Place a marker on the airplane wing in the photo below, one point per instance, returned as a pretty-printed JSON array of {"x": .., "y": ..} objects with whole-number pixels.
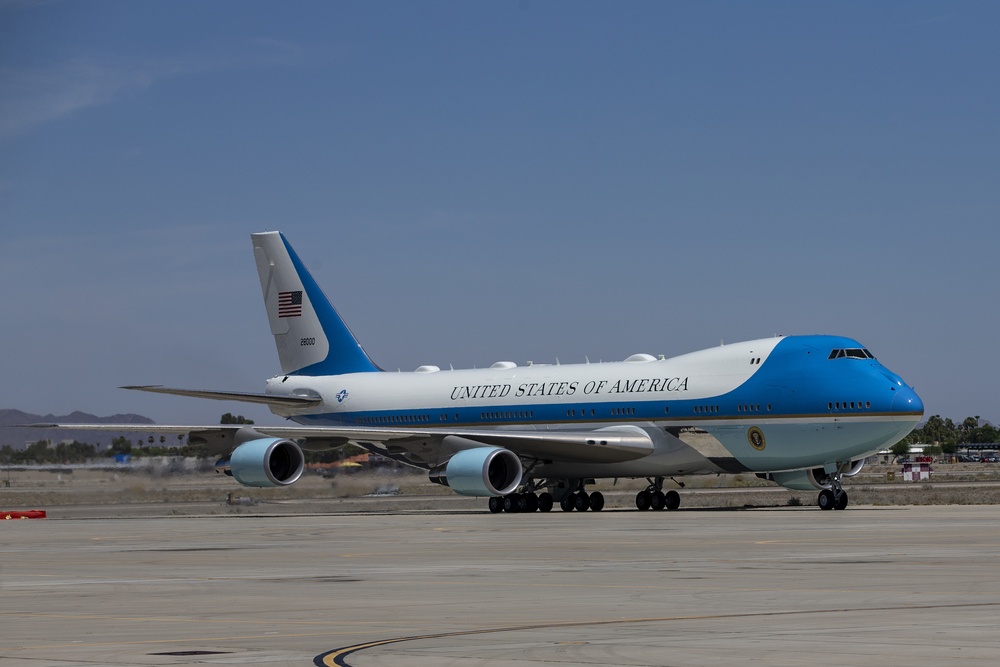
[
  {"x": 428, "y": 447},
  {"x": 219, "y": 439},
  {"x": 422, "y": 447}
]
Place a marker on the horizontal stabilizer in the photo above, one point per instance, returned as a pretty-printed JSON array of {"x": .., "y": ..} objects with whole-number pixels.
[{"x": 245, "y": 397}]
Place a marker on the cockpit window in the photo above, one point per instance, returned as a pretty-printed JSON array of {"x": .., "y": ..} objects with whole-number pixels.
[{"x": 851, "y": 353}]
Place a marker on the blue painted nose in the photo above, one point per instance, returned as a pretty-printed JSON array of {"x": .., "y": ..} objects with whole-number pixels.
[{"x": 907, "y": 406}]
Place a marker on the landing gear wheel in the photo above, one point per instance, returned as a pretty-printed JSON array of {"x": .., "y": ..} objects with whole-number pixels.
[
  {"x": 568, "y": 503},
  {"x": 826, "y": 500},
  {"x": 673, "y": 500},
  {"x": 496, "y": 504},
  {"x": 841, "y": 503},
  {"x": 596, "y": 501},
  {"x": 511, "y": 504},
  {"x": 545, "y": 502},
  {"x": 657, "y": 501},
  {"x": 642, "y": 500},
  {"x": 581, "y": 501},
  {"x": 530, "y": 502}
]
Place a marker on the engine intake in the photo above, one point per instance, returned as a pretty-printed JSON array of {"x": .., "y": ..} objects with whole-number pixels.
[
  {"x": 264, "y": 462},
  {"x": 482, "y": 471}
]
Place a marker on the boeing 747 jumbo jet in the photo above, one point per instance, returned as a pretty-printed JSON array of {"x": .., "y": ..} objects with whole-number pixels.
[{"x": 802, "y": 411}]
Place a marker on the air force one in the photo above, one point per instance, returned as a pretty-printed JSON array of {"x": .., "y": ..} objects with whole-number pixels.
[{"x": 801, "y": 411}]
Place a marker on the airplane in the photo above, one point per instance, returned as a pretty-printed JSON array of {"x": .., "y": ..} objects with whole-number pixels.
[{"x": 801, "y": 411}]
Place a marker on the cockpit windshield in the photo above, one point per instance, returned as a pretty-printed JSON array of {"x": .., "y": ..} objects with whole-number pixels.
[{"x": 851, "y": 353}]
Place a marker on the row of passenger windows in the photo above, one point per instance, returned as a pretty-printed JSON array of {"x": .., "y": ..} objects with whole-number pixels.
[
  {"x": 517, "y": 414},
  {"x": 396, "y": 419},
  {"x": 529, "y": 414},
  {"x": 615, "y": 412},
  {"x": 853, "y": 405},
  {"x": 582, "y": 412}
]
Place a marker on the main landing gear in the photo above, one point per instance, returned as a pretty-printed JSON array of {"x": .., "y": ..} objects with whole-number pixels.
[
  {"x": 653, "y": 497},
  {"x": 521, "y": 502},
  {"x": 581, "y": 501},
  {"x": 530, "y": 501}
]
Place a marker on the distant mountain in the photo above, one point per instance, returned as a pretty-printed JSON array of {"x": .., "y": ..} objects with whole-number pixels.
[{"x": 17, "y": 438}]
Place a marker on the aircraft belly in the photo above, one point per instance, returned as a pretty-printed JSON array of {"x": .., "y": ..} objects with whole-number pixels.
[
  {"x": 806, "y": 444},
  {"x": 671, "y": 456}
]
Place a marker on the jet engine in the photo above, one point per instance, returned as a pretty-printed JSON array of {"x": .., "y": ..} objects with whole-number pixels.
[
  {"x": 482, "y": 471},
  {"x": 264, "y": 462},
  {"x": 807, "y": 480}
]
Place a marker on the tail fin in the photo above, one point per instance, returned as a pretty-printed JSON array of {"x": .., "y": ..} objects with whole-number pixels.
[{"x": 311, "y": 337}]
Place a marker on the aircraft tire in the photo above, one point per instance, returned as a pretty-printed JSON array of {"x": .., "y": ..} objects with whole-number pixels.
[
  {"x": 673, "y": 500},
  {"x": 510, "y": 503},
  {"x": 642, "y": 500},
  {"x": 522, "y": 502},
  {"x": 581, "y": 501},
  {"x": 545, "y": 502},
  {"x": 842, "y": 501},
  {"x": 530, "y": 502},
  {"x": 567, "y": 504},
  {"x": 825, "y": 500},
  {"x": 596, "y": 501},
  {"x": 496, "y": 504},
  {"x": 657, "y": 501}
]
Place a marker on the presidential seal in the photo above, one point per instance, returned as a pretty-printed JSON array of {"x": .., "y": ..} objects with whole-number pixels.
[{"x": 756, "y": 438}]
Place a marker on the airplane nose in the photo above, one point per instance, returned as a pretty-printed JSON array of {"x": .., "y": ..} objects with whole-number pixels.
[{"x": 906, "y": 404}]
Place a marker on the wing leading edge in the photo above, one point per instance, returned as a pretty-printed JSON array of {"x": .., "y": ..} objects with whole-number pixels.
[{"x": 424, "y": 447}]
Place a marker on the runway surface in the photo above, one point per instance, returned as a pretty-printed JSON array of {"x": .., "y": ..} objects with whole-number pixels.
[{"x": 779, "y": 586}]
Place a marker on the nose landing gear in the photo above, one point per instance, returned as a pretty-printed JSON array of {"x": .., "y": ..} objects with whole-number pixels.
[{"x": 834, "y": 498}]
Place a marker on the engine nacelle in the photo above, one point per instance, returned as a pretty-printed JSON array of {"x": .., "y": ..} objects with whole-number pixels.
[
  {"x": 482, "y": 471},
  {"x": 807, "y": 480},
  {"x": 264, "y": 462},
  {"x": 856, "y": 467}
]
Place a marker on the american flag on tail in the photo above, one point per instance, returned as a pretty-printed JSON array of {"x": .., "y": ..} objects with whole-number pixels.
[{"x": 290, "y": 304}]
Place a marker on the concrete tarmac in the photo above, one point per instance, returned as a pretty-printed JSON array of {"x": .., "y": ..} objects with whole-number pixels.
[{"x": 907, "y": 586}]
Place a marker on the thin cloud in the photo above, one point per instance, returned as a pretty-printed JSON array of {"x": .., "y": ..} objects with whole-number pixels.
[
  {"x": 33, "y": 96},
  {"x": 30, "y": 97}
]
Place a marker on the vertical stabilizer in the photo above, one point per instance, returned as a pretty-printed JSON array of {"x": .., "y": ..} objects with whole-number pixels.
[{"x": 311, "y": 337}]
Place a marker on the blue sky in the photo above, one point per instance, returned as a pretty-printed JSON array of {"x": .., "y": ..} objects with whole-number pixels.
[{"x": 474, "y": 181}]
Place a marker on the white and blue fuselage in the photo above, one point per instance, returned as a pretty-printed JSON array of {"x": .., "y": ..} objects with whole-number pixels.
[{"x": 767, "y": 405}]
